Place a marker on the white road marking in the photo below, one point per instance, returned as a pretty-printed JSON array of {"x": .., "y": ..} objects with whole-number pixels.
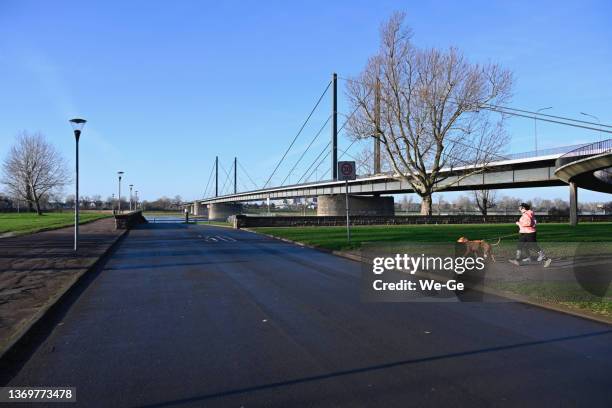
[{"x": 218, "y": 238}]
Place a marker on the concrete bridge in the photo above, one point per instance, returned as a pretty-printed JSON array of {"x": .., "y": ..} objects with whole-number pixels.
[
  {"x": 589, "y": 167},
  {"x": 532, "y": 169}
]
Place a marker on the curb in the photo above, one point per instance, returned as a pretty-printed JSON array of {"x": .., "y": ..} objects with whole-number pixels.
[
  {"x": 55, "y": 299},
  {"x": 217, "y": 225},
  {"x": 514, "y": 297}
]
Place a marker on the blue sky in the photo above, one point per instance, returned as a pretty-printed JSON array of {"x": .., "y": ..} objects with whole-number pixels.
[{"x": 167, "y": 86}]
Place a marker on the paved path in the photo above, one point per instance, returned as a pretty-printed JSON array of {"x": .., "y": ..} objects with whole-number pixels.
[
  {"x": 205, "y": 316},
  {"x": 37, "y": 267}
]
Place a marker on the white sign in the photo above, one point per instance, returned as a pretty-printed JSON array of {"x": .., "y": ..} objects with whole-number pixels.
[{"x": 347, "y": 170}]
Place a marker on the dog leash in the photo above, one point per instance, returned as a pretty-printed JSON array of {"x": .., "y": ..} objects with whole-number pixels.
[
  {"x": 503, "y": 236},
  {"x": 506, "y": 236}
]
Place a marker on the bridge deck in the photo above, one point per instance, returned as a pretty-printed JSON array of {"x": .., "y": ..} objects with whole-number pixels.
[{"x": 526, "y": 172}]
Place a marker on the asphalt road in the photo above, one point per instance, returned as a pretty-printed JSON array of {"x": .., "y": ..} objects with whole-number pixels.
[{"x": 206, "y": 316}]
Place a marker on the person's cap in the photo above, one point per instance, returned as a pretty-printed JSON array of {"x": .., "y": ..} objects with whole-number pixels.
[{"x": 525, "y": 206}]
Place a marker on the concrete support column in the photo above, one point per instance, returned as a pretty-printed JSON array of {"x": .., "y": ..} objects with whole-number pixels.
[
  {"x": 335, "y": 205},
  {"x": 220, "y": 211},
  {"x": 196, "y": 208},
  {"x": 573, "y": 205}
]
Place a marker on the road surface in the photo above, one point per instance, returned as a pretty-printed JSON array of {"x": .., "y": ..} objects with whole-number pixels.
[{"x": 197, "y": 315}]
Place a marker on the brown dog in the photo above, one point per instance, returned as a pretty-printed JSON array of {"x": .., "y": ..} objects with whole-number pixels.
[{"x": 478, "y": 247}]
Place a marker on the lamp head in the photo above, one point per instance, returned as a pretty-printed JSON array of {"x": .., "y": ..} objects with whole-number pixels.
[{"x": 77, "y": 124}]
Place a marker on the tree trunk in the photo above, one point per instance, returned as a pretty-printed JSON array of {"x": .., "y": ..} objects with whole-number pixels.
[
  {"x": 37, "y": 203},
  {"x": 426, "y": 204},
  {"x": 29, "y": 199}
]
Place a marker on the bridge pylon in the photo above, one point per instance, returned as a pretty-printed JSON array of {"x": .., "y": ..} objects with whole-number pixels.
[{"x": 334, "y": 126}]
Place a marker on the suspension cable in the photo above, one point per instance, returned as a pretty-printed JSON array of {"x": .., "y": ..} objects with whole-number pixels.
[
  {"x": 209, "y": 179},
  {"x": 247, "y": 174},
  {"x": 298, "y": 133},
  {"x": 307, "y": 148}
]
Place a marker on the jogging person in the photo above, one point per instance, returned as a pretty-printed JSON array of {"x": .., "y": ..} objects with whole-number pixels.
[{"x": 527, "y": 238}]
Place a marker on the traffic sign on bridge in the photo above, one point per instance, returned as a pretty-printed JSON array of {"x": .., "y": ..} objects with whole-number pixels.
[{"x": 347, "y": 170}]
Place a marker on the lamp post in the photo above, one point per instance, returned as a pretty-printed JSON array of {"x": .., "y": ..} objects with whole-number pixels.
[
  {"x": 136, "y": 201},
  {"x": 598, "y": 121},
  {"x": 77, "y": 126},
  {"x": 535, "y": 127},
  {"x": 119, "y": 173},
  {"x": 113, "y": 203},
  {"x": 131, "y": 185}
]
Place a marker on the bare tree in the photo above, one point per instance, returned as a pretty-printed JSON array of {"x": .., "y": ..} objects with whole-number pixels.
[
  {"x": 365, "y": 161},
  {"x": 509, "y": 203},
  {"x": 34, "y": 170},
  {"x": 406, "y": 204},
  {"x": 463, "y": 204},
  {"x": 430, "y": 110},
  {"x": 485, "y": 199},
  {"x": 440, "y": 203}
]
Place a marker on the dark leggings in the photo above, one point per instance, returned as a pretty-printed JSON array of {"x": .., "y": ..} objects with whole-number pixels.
[{"x": 527, "y": 242}]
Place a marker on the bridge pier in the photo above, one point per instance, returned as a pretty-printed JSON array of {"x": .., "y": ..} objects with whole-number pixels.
[
  {"x": 220, "y": 211},
  {"x": 199, "y": 209},
  {"x": 573, "y": 204},
  {"x": 335, "y": 205}
]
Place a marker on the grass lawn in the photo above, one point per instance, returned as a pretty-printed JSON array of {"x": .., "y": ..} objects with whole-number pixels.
[
  {"x": 335, "y": 237},
  {"x": 569, "y": 294},
  {"x": 559, "y": 240},
  {"x": 24, "y": 223}
]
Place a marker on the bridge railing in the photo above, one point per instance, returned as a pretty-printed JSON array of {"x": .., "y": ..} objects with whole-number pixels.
[
  {"x": 583, "y": 151},
  {"x": 544, "y": 152}
]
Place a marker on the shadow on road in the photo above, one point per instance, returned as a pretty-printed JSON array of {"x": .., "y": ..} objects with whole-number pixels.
[{"x": 334, "y": 374}]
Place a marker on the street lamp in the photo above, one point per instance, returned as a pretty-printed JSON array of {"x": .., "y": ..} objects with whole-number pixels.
[
  {"x": 535, "y": 127},
  {"x": 131, "y": 185},
  {"x": 113, "y": 203},
  {"x": 598, "y": 121},
  {"x": 119, "y": 173},
  {"x": 77, "y": 126}
]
